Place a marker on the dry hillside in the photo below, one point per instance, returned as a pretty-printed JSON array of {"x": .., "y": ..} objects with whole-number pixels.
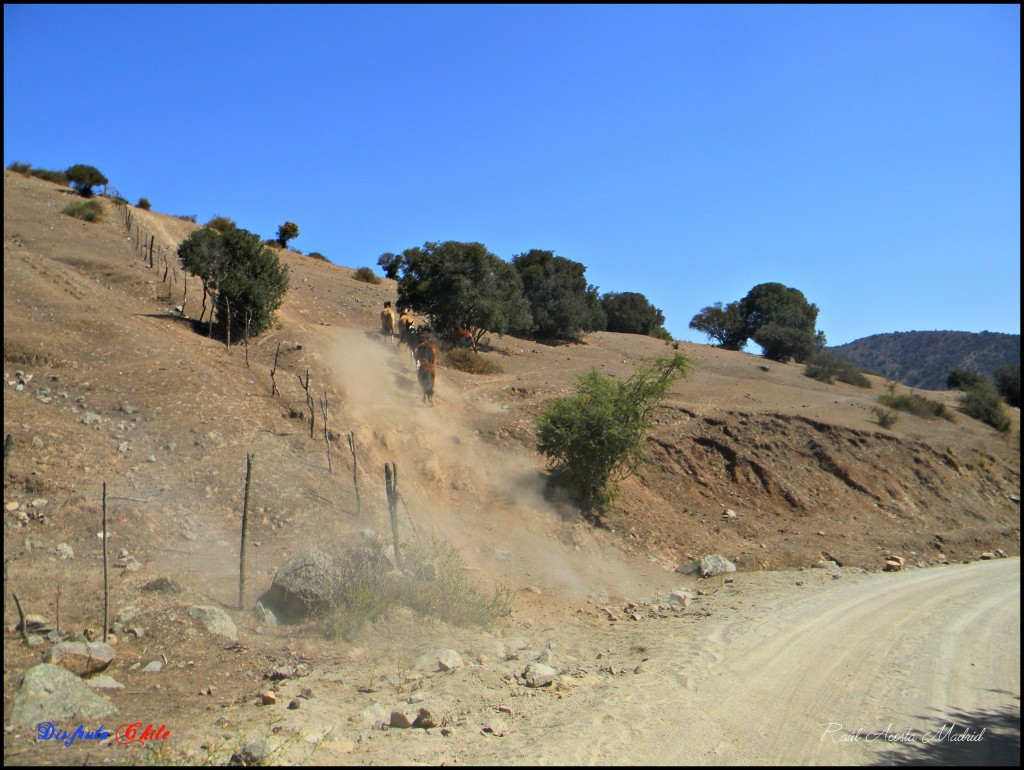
[{"x": 105, "y": 382}]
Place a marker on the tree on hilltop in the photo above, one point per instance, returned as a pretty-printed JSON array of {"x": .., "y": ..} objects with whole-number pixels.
[{"x": 83, "y": 178}]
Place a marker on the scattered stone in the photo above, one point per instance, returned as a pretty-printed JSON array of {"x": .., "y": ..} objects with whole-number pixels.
[
  {"x": 399, "y": 719},
  {"x": 424, "y": 719},
  {"x": 264, "y": 616},
  {"x": 215, "y": 620},
  {"x": 715, "y": 564},
  {"x": 153, "y": 667},
  {"x": 64, "y": 551},
  {"x": 988, "y": 555},
  {"x": 826, "y": 564},
  {"x": 894, "y": 563},
  {"x": 81, "y": 658},
  {"x": 51, "y": 693},
  {"x": 104, "y": 682},
  {"x": 293, "y": 703},
  {"x": 91, "y": 418},
  {"x": 439, "y": 660},
  {"x": 372, "y": 716},
  {"x": 539, "y": 675},
  {"x": 268, "y": 698},
  {"x": 252, "y": 753},
  {"x": 728, "y": 514}
]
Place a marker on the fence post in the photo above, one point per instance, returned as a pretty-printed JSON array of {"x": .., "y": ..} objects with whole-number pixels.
[
  {"x": 391, "y": 487},
  {"x": 245, "y": 526}
]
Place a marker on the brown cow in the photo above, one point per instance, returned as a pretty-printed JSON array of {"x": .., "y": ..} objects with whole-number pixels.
[
  {"x": 426, "y": 374},
  {"x": 426, "y": 352},
  {"x": 461, "y": 338},
  {"x": 387, "y": 322}
]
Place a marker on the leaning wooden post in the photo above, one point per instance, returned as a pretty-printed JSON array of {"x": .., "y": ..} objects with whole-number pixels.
[
  {"x": 273, "y": 381},
  {"x": 327, "y": 433},
  {"x": 391, "y": 487},
  {"x": 106, "y": 584},
  {"x": 245, "y": 526},
  {"x": 151, "y": 239},
  {"x": 7, "y": 453},
  {"x": 355, "y": 480}
]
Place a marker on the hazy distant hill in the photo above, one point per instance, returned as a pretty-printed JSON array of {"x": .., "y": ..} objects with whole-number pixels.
[{"x": 925, "y": 359}]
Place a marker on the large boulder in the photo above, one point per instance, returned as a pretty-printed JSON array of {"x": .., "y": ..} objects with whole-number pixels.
[
  {"x": 50, "y": 693},
  {"x": 308, "y": 581},
  {"x": 715, "y": 564},
  {"x": 81, "y": 658}
]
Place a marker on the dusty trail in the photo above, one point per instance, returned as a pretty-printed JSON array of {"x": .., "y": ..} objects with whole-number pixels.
[{"x": 788, "y": 674}]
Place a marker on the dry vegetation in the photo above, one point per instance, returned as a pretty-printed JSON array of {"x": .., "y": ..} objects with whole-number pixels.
[{"x": 803, "y": 465}]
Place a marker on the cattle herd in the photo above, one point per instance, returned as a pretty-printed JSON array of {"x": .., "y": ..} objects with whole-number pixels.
[{"x": 403, "y": 332}]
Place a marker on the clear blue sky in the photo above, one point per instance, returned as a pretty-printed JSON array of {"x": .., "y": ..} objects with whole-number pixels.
[{"x": 866, "y": 155}]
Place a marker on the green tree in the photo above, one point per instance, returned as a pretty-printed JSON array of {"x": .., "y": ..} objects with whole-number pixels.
[
  {"x": 144, "y": 204},
  {"x": 595, "y": 438},
  {"x": 463, "y": 285},
  {"x": 221, "y": 224},
  {"x": 562, "y": 303},
  {"x": 630, "y": 313},
  {"x": 1008, "y": 383},
  {"x": 287, "y": 232},
  {"x": 961, "y": 379},
  {"x": 390, "y": 264},
  {"x": 721, "y": 323},
  {"x": 83, "y": 178},
  {"x": 244, "y": 278}
]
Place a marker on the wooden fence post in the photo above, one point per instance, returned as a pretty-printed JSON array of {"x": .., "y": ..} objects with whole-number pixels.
[
  {"x": 245, "y": 526},
  {"x": 391, "y": 487},
  {"x": 355, "y": 478},
  {"x": 106, "y": 584}
]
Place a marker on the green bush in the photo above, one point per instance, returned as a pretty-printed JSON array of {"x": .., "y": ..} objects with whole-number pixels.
[
  {"x": 916, "y": 405},
  {"x": 144, "y": 204},
  {"x": 982, "y": 402},
  {"x": 432, "y": 583},
  {"x": 318, "y": 255},
  {"x": 221, "y": 224},
  {"x": 187, "y": 217},
  {"x": 886, "y": 417},
  {"x": 959, "y": 379},
  {"x": 827, "y": 367},
  {"x": 57, "y": 177},
  {"x": 1008, "y": 383},
  {"x": 286, "y": 232},
  {"x": 366, "y": 275},
  {"x": 19, "y": 168},
  {"x": 596, "y": 437},
  {"x": 90, "y": 211}
]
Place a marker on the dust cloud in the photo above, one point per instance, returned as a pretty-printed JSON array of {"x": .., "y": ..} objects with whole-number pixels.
[{"x": 487, "y": 500}]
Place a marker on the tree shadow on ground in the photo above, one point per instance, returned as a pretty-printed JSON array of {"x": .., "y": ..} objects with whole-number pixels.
[{"x": 984, "y": 737}]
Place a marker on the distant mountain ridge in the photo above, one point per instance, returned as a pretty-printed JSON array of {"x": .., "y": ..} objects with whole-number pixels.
[{"x": 925, "y": 359}]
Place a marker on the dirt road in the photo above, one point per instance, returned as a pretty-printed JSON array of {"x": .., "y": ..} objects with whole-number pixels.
[{"x": 861, "y": 669}]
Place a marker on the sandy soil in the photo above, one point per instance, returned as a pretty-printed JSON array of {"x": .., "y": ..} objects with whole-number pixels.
[{"x": 754, "y": 671}]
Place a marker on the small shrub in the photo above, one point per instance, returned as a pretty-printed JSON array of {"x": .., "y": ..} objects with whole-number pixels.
[
  {"x": 961, "y": 379},
  {"x": 827, "y": 367},
  {"x": 90, "y": 211},
  {"x": 982, "y": 402},
  {"x": 886, "y": 417},
  {"x": 432, "y": 582},
  {"x": 118, "y": 200},
  {"x": 19, "y": 168},
  {"x": 187, "y": 217},
  {"x": 57, "y": 177},
  {"x": 221, "y": 224},
  {"x": 916, "y": 405},
  {"x": 366, "y": 275},
  {"x": 144, "y": 204},
  {"x": 470, "y": 362},
  {"x": 317, "y": 255}
]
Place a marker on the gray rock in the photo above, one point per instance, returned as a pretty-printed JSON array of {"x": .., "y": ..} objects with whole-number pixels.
[
  {"x": 153, "y": 667},
  {"x": 399, "y": 719},
  {"x": 307, "y": 582},
  {"x": 104, "y": 682},
  {"x": 715, "y": 564},
  {"x": 50, "y": 693},
  {"x": 264, "y": 616},
  {"x": 81, "y": 658},
  {"x": 216, "y": 621},
  {"x": 373, "y": 716},
  {"x": 252, "y": 753},
  {"x": 539, "y": 675},
  {"x": 91, "y": 418},
  {"x": 680, "y": 597},
  {"x": 440, "y": 660}
]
